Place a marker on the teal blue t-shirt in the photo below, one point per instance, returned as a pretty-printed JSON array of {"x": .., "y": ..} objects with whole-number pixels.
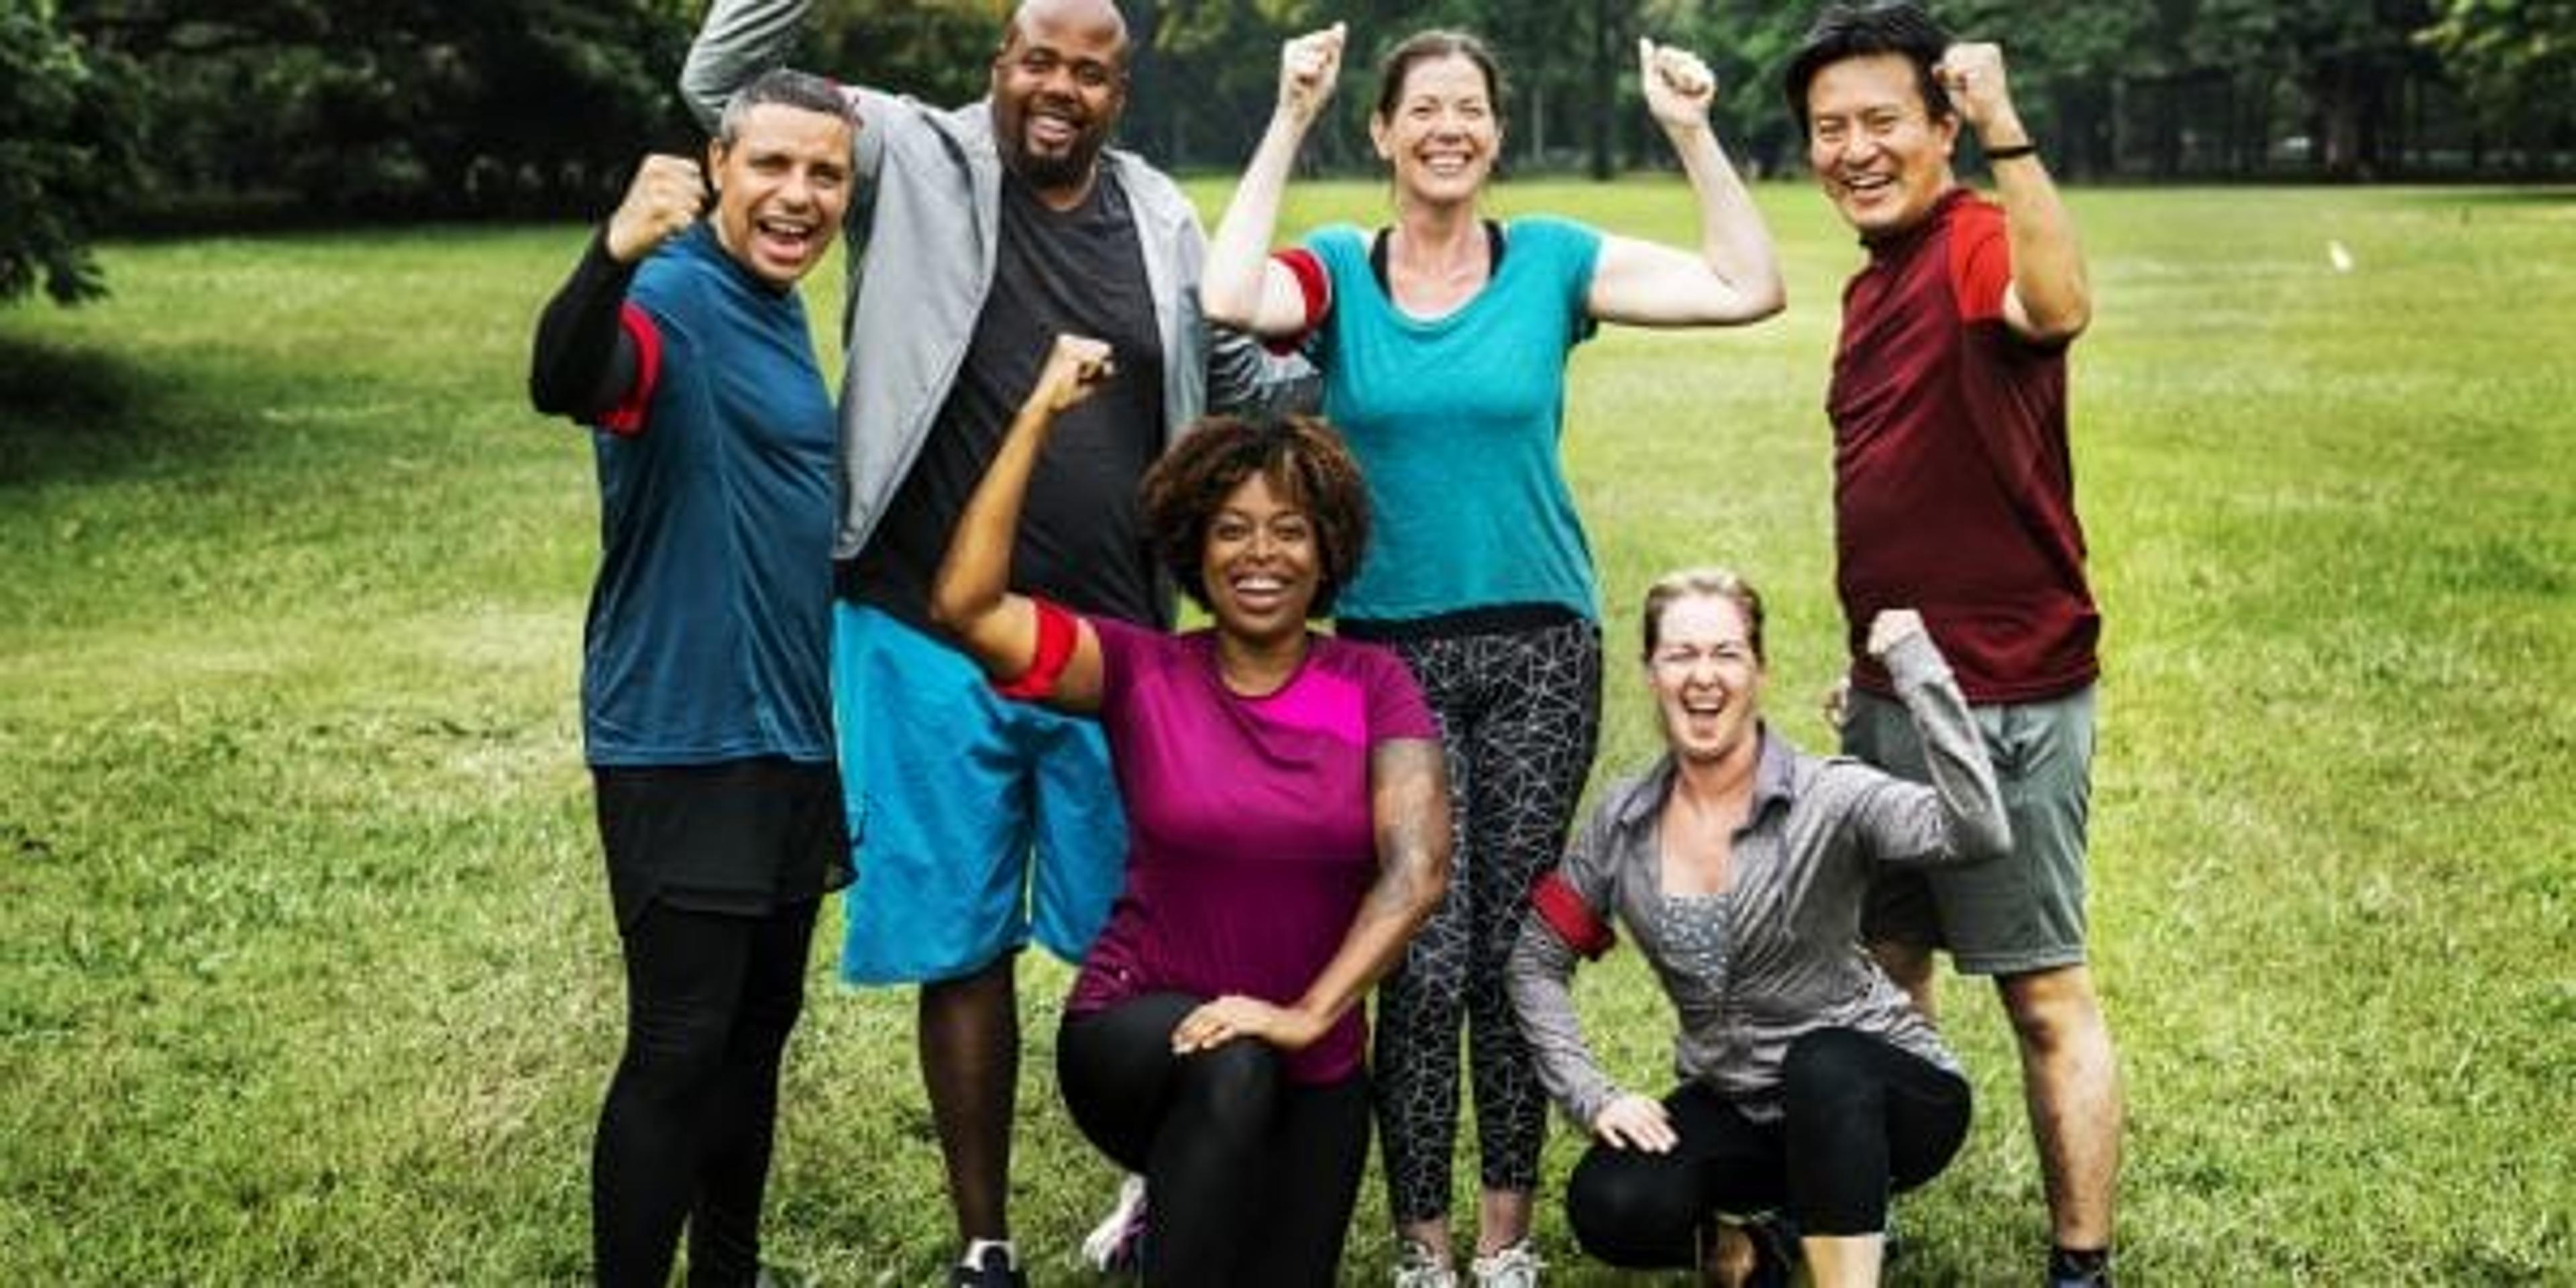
[
  {"x": 1455, "y": 421},
  {"x": 711, "y": 620}
]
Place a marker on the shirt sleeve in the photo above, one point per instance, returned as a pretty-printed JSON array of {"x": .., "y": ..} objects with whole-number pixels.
[
  {"x": 1539, "y": 975},
  {"x": 1960, "y": 817},
  {"x": 1121, "y": 643},
  {"x": 597, "y": 355},
  {"x": 1572, "y": 252},
  {"x": 1396, "y": 708},
  {"x": 1980, "y": 261}
]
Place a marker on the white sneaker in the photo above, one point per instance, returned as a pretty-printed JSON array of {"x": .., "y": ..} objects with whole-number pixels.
[
  {"x": 1117, "y": 1244},
  {"x": 1512, "y": 1267},
  {"x": 1419, "y": 1265}
]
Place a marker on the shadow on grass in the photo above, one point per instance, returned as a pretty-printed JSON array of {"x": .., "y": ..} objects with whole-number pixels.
[{"x": 70, "y": 414}]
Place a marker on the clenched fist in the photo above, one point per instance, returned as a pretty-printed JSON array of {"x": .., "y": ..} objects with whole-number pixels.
[
  {"x": 665, "y": 198},
  {"x": 1679, "y": 86}
]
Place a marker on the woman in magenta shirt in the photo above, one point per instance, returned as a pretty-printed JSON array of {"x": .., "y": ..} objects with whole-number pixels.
[{"x": 1288, "y": 831}]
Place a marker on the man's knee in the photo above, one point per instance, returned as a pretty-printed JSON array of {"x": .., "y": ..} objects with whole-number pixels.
[{"x": 2053, "y": 1010}]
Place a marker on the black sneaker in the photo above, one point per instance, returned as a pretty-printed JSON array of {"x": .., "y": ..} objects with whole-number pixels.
[
  {"x": 992, "y": 1271},
  {"x": 2079, "y": 1270}
]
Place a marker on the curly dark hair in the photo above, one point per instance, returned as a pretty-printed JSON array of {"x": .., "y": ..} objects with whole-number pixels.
[{"x": 1304, "y": 462}]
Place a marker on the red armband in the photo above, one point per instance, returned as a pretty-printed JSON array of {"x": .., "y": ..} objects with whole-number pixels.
[
  {"x": 626, "y": 419},
  {"x": 1056, "y": 637},
  {"x": 1316, "y": 289},
  {"x": 1570, "y": 917}
]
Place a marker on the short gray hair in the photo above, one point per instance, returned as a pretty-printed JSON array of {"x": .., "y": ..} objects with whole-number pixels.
[{"x": 784, "y": 87}]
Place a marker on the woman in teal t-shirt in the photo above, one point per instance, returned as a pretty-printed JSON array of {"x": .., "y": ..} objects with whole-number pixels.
[{"x": 1443, "y": 341}]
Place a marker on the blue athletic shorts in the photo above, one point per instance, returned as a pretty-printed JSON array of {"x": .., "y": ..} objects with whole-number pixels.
[{"x": 979, "y": 821}]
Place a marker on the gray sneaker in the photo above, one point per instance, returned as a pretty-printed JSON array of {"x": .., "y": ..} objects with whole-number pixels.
[
  {"x": 1419, "y": 1265},
  {"x": 1511, "y": 1267}
]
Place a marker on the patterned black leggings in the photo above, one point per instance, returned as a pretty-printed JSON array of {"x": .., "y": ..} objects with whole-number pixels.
[{"x": 1520, "y": 713}]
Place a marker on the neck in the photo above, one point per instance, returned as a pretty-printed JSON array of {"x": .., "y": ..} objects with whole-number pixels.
[
  {"x": 1257, "y": 668},
  {"x": 1439, "y": 235},
  {"x": 1728, "y": 778},
  {"x": 1066, "y": 196}
]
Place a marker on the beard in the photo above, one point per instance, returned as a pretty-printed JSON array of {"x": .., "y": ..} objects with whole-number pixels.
[{"x": 1060, "y": 170}]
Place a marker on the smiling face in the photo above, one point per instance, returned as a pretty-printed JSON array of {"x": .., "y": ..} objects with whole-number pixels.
[
  {"x": 1707, "y": 678},
  {"x": 1438, "y": 130},
  {"x": 1059, "y": 84},
  {"x": 782, "y": 184},
  {"x": 1260, "y": 563},
  {"x": 1881, "y": 155}
]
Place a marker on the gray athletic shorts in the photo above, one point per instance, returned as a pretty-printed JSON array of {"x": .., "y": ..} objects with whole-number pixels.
[{"x": 2013, "y": 915}]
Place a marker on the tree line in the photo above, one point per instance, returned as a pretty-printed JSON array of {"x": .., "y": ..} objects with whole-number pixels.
[{"x": 122, "y": 115}]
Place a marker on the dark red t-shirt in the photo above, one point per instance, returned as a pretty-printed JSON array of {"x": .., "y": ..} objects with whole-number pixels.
[{"x": 1953, "y": 490}]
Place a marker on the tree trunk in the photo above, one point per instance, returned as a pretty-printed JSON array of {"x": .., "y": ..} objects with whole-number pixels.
[{"x": 1605, "y": 92}]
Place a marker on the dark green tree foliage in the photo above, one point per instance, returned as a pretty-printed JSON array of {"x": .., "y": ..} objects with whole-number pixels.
[
  {"x": 68, "y": 122},
  {"x": 2516, "y": 61},
  {"x": 412, "y": 107}
]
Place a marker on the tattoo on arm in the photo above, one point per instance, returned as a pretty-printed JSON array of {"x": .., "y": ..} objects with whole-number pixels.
[{"x": 1410, "y": 786}]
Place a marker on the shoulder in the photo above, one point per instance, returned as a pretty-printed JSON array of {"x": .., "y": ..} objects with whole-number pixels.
[
  {"x": 1339, "y": 242},
  {"x": 1551, "y": 235},
  {"x": 1395, "y": 701},
  {"x": 1150, "y": 192},
  {"x": 681, "y": 277}
]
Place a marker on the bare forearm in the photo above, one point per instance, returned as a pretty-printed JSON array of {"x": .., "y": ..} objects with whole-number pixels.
[
  {"x": 975, "y": 577},
  {"x": 1733, "y": 241},
  {"x": 2047, "y": 263},
  {"x": 1409, "y": 795},
  {"x": 1232, "y": 289}
]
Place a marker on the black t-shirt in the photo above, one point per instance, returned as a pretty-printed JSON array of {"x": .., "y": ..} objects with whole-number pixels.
[{"x": 1080, "y": 271}]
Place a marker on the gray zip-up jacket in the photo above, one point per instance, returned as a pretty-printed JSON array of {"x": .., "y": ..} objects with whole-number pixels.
[
  {"x": 923, "y": 227},
  {"x": 1791, "y": 961}
]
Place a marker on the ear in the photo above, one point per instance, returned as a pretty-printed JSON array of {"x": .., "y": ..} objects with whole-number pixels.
[
  {"x": 1377, "y": 136},
  {"x": 715, "y": 160}
]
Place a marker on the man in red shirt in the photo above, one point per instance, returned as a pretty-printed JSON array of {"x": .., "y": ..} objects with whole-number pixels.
[{"x": 1953, "y": 492}]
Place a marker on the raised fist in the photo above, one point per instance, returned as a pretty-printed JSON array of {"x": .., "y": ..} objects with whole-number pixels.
[
  {"x": 661, "y": 203},
  {"x": 1679, "y": 87}
]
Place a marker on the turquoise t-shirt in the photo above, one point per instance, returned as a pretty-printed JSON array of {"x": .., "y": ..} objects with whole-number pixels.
[{"x": 1455, "y": 421}]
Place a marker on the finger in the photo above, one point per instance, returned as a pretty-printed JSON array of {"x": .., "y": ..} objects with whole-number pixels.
[{"x": 1645, "y": 57}]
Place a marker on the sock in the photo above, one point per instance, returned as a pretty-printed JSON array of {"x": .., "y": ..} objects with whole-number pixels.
[
  {"x": 974, "y": 1258},
  {"x": 2082, "y": 1264}
]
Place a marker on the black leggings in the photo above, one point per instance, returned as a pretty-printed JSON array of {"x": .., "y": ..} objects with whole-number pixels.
[
  {"x": 685, "y": 1134},
  {"x": 1251, "y": 1177},
  {"x": 1861, "y": 1119}
]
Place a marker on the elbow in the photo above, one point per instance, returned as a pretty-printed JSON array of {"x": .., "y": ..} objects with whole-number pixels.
[
  {"x": 1766, "y": 300},
  {"x": 952, "y": 610},
  {"x": 703, "y": 89},
  {"x": 1224, "y": 307},
  {"x": 1985, "y": 838}
]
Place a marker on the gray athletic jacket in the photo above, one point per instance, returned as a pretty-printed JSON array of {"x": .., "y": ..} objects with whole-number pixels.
[
  {"x": 1793, "y": 962},
  {"x": 922, "y": 229}
]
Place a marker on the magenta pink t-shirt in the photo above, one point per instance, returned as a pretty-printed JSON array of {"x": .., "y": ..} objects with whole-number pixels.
[{"x": 1250, "y": 842}]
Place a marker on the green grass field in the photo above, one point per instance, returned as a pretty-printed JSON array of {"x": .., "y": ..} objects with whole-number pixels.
[{"x": 306, "y": 968}]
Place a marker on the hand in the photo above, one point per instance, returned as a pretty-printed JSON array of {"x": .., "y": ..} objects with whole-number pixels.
[
  {"x": 1233, "y": 1016},
  {"x": 1308, "y": 67},
  {"x": 1679, "y": 87},
  {"x": 661, "y": 203},
  {"x": 1838, "y": 702},
  {"x": 1891, "y": 627},
  {"x": 1633, "y": 1122},
  {"x": 1076, "y": 367},
  {"x": 1973, "y": 76}
]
